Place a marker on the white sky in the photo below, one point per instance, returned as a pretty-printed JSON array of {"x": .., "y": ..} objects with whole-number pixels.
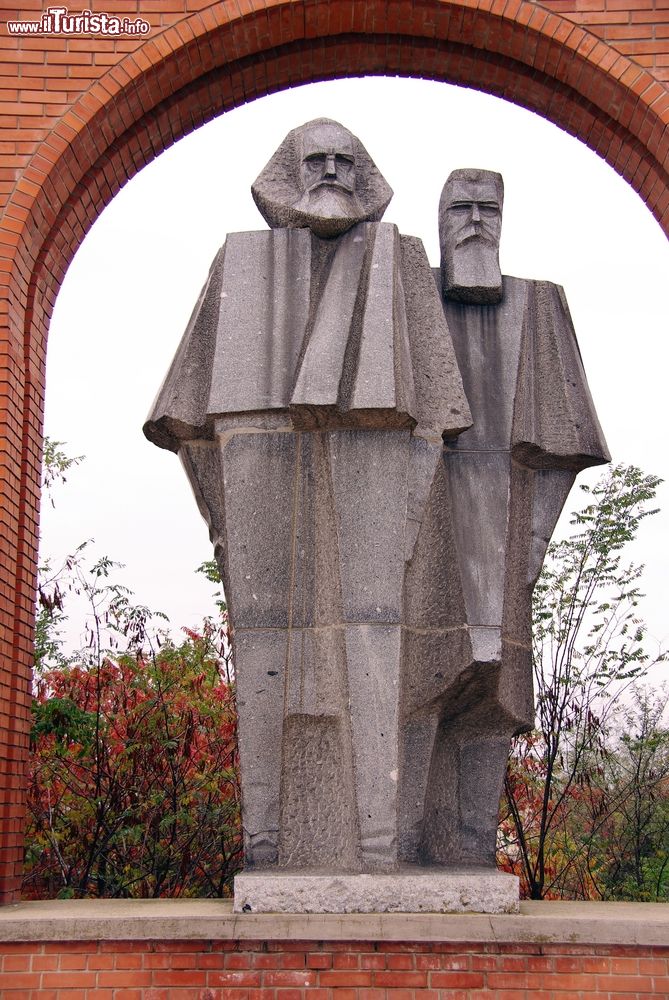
[{"x": 129, "y": 292}]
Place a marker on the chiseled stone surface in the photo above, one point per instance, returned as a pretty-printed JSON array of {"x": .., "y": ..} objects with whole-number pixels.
[
  {"x": 308, "y": 401},
  {"x": 381, "y": 453},
  {"x": 290, "y": 193},
  {"x": 470, "y": 223},
  {"x": 506, "y": 479},
  {"x": 407, "y": 891}
]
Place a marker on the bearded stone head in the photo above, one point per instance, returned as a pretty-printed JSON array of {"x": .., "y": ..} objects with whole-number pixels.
[
  {"x": 470, "y": 225},
  {"x": 323, "y": 178}
]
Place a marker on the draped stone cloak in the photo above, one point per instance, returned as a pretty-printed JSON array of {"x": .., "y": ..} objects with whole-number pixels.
[
  {"x": 335, "y": 333},
  {"x": 492, "y": 510},
  {"x": 307, "y": 401}
]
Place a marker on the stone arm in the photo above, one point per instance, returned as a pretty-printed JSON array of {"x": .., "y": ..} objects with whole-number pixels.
[
  {"x": 179, "y": 412},
  {"x": 554, "y": 421}
]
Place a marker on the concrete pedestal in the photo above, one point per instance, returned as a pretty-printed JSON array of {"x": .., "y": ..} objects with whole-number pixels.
[{"x": 416, "y": 890}]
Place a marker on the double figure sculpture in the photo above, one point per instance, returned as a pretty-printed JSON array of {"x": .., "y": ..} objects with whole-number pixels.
[{"x": 381, "y": 452}]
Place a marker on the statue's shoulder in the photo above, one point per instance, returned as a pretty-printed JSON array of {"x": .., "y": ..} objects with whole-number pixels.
[
  {"x": 262, "y": 237},
  {"x": 548, "y": 303},
  {"x": 412, "y": 246},
  {"x": 415, "y": 264},
  {"x": 539, "y": 287}
]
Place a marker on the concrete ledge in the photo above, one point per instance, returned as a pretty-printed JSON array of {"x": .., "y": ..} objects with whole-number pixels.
[{"x": 205, "y": 919}]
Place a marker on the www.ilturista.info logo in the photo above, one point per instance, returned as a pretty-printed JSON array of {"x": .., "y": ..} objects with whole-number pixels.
[{"x": 59, "y": 21}]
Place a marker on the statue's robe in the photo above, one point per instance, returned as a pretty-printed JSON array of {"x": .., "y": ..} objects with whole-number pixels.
[
  {"x": 493, "y": 508},
  {"x": 308, "y": 401}
]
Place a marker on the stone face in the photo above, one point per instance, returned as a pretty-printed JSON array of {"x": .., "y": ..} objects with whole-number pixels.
[
  {"x": 470, "y": 223},
  {"x": 380, "y": 471},
  {"x": 409, "y": 891},
  {"x": 290, "y": 191}
]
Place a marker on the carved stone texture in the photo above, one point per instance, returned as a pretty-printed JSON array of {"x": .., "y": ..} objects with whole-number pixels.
[
  {"x": 415, "y": 890},
  {"x": 308, "y": 401},
  {"x": 323, "y": 178},
  {"x": 379, "y": 582},
  {"x": 483, "y": 539},
  {"x": 317, "y": 333},
  {"x": 470, "y": 223}
]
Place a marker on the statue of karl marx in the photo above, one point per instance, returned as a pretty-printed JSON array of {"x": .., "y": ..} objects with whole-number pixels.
[{"x": 308, "y": 401}]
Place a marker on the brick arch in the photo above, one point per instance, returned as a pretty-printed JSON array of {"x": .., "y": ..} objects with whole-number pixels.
[{"x": 184, "y": 74}]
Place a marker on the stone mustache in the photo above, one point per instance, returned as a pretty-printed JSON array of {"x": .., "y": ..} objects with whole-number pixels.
[{"x": 381, "y": 458}]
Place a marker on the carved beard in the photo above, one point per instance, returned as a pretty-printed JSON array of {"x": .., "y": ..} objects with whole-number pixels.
[
  {"x": 330, "y": 201},
  {"x": 470, "y": 271}
]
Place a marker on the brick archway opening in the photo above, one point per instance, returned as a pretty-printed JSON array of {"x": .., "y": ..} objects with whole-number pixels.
[{"x": 184, "y": 76}]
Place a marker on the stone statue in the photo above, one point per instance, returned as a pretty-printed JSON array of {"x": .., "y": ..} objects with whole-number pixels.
[
  {"x": 490, "y": 516},
  {"x": 380, "y": 470},
  {"x": 470, "y": 225},
  {"x": 308, "y": 402}
]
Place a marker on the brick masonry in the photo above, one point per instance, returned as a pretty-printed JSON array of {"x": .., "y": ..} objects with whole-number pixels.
[
  {"x": 312, "y": 970},
  {"x": 79, "y": 115}
]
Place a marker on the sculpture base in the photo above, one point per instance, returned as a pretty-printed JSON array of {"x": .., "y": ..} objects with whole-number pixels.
[{"x": 410, "y": 890}]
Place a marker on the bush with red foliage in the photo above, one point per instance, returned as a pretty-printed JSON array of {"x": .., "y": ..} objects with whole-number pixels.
[{"x": 133, "y": 787}]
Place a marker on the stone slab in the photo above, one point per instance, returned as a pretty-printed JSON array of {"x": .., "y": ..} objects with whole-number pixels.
[
  {"x": 416, "y": 891},
  {"x": 538, "y": 922}
]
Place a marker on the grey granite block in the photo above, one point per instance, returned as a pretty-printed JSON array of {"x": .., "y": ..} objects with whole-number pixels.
[{"x": 408, "y": 891}]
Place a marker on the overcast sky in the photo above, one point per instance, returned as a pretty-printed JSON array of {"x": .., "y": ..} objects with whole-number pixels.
[{"x": 129, "y": 292}]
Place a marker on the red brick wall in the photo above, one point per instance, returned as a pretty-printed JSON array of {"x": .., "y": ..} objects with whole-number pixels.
[
  {"x": 80, "y": 115},
  {"x": 299, "y": 970},
  {"x": 636, "y": 28}
]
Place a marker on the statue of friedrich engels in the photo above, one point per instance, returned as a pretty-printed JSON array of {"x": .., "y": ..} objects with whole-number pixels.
[{"x": 316, "y": 401}]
